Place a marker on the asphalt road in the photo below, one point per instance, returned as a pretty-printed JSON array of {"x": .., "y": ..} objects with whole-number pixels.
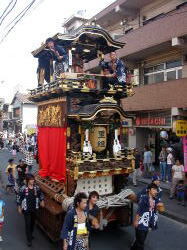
[{"x": 171, "y": 235}]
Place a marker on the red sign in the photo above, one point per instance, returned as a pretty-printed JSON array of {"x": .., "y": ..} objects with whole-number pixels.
[{"x": 150, "y": 121}]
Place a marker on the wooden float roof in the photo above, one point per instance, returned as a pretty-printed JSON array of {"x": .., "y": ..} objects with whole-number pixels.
[{"x": 86, "y": 42}]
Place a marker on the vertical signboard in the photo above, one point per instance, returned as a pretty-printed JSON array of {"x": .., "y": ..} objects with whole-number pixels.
[{"x": 185, "y": 152}]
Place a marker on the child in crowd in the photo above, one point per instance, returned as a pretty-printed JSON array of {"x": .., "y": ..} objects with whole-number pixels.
[
  {"x": 14, "y": 151},
  {"x": 2, "y": 205},
  {"x": 11, "y": 165},
  {"x": 11, "y": 181},
  {"x": 180, "y": 190}
]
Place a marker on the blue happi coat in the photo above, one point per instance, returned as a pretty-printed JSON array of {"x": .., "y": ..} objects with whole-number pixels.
[
  {"x": 148, "y": 218},
  {"x": 120, "y": 69},
  {"x": 69, "y": 229},
  {"x": 145, "y": 190}
]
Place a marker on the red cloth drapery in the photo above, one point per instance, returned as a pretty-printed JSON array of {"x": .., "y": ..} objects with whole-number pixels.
[{"x": 52, "y": 152}]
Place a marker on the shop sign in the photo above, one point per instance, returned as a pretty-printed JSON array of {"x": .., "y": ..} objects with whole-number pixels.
[
  {"x": 151, "y": 121},
  {"x": 31, "y": 129},
  {"x": 185, "y": 152},
  {"x": 127, "y": 123},
  {"x": 181, "y": 127}
]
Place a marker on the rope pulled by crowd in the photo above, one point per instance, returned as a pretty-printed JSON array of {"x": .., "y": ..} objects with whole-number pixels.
[{"x": 117, "y": 200}]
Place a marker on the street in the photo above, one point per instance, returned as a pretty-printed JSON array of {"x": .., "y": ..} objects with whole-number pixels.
[{"x": 171, "y": 235}]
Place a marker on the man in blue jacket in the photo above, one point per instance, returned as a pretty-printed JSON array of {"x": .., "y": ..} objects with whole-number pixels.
[
  {"x": 116, "y": 68},
  {"x": 156, "y": 181},
  {"x": 75, "y": 231},
  {"x": 147, "y": 216},
  {"x": 52, "y": 52}
]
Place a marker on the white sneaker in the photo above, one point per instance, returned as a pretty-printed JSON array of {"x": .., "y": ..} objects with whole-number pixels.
[{"x": 1, "y": 239}]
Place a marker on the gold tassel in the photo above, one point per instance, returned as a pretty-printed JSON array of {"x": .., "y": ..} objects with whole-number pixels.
[
  {"x": 68, "y": 131},
  {"x": 79, "y": 130},
  {"x": 107, "y": 129}
]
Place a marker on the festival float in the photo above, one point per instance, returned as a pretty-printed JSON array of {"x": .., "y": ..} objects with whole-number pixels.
[{"x": 79, "y": 134}]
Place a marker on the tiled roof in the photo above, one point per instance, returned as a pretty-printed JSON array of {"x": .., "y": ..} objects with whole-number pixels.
[{"x": 22, "y": 98}]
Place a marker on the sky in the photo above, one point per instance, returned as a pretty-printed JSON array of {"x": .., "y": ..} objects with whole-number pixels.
[{"x": 17, "y": 65}]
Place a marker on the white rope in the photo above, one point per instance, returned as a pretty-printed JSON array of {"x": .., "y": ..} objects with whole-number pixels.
[
  {"x": 117, "y": 200},
  {"x": 67, "y": 202}
]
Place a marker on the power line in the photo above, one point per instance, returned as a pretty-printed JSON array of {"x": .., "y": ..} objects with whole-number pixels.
[
  {"x": 23, "y": 14},
  {"x": 6, "y": 8},
  {"x": 17, "y": 16},
  {"x": 13, "y": 6}
]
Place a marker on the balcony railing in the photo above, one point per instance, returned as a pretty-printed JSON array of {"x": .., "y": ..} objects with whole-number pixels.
[{"x": 150, "y": 35}]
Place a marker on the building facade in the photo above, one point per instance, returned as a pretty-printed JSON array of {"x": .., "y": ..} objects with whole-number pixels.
[
  {"x": 74, "y": 22},
  {"x": 155, "y": 33},
  {"x": 24, "y": 113}
]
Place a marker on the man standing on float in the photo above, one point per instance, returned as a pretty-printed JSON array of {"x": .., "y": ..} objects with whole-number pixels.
[{"x": 52, "y": 52}]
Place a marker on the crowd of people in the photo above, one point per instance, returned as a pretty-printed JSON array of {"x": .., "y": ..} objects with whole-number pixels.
[
  {"x": 29, "y": 197},
  {"x": 20, "y": 180},
  {"x": 171, "y": 171},
  {"x": 82, "y": 216}
]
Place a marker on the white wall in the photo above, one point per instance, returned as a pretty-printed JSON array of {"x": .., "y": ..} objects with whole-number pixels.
[
  {"x": 29, "y": 115},
  {"x": 132, "y": 141}
]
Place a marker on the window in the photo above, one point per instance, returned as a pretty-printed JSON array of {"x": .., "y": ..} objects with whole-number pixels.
[
  {"x": 173, "y": 64},
  {"x": 148, "y": 79},
  {"x": 167, "y": 71},
  {"x": 171, "y": 75},
  {"x": 16, "y": 112},
  {"x": 179, "y": 73},
  {"x": 159, "y": 77}
]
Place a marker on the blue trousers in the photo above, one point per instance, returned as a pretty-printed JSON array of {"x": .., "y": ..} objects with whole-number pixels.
[
  {"x": 163, "y": 167},
  {"x": 169, "y": 172}
]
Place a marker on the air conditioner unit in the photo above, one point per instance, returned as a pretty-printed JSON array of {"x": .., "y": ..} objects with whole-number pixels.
[
  {"x": 117, "y": 8},
  {"x": 176, "y": 41}
]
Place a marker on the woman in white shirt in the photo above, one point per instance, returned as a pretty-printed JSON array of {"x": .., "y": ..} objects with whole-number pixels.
[
  {"x": 170, "y": 162},
  {"x": 177, "y": 175},
  {"x": 147, "y": 161}
]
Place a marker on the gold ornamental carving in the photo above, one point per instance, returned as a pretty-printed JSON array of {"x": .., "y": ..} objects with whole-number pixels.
[
  {"x": 108, "y": 99},
  {"x": 52, "y": 115}
]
